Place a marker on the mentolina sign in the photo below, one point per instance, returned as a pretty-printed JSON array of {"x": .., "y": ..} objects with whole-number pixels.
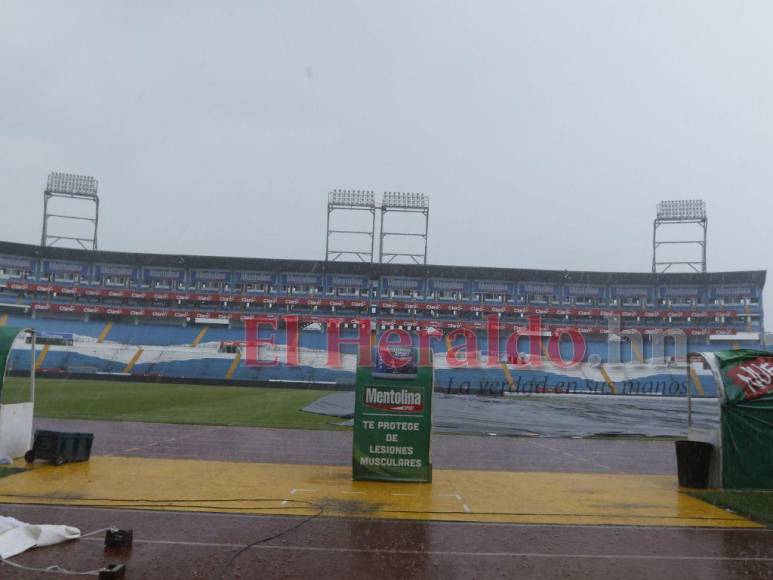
[
  {"x": 403, "y": 400},
  {"x": 392, "y": 426}
]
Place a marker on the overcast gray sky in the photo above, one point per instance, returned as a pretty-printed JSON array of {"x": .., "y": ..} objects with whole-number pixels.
[{"x": 544, "y": 132}]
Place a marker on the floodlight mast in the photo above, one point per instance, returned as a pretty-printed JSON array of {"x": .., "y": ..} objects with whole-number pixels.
[
  {"x": 680, "y": 212},
  {"x": 349, "y": 201},
  {"x": 416, "y": 203},
  {"x": 74, "y": 188}
]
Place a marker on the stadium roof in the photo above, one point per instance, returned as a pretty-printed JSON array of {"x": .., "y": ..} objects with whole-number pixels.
[{"x": 756, "y": 277}]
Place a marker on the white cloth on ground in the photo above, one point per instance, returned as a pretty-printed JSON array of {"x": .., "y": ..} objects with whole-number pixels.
[{"x": 17, "y": 537}]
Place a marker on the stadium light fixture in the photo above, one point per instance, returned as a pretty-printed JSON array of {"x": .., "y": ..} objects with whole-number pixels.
[
  {"x": 684, "y": 214},
  {"x": 404, "y": 203},
  {"x": 71, "y": 188},
  {"x": 352, "y": 198},
  {"x": 393, "y": 199},
  {"x": 71, "y": 184},
  {"x": 350, "y": 201},
  {"x": 681, "y": 209}
]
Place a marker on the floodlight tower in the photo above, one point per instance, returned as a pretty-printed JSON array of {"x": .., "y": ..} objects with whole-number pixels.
[
  {"x": 350, "y": 201},
  {"x": 415, "y": 203},
  {"x": 680, "y": 212},
  {"x": 73, "y": 188}
]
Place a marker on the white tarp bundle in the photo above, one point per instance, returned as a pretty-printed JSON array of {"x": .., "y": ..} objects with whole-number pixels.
[{"x": 17, "y": 537}]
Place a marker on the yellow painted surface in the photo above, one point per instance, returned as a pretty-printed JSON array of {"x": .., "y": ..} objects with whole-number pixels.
[
  {"x": 105, "y": 331},
  {"x": 696, "y": 381},
  {"x": 608, "y": 380},
  {"x": 133, "y": 361},
  {"x": 200, "y": 336},
  {"x": 508, "y": 374},
  {"x": 637, "y": 351},
  {"x": 234, "y": 365},
  {"x": 42, "y": 356},
  {"x": 474, "y": 496}
]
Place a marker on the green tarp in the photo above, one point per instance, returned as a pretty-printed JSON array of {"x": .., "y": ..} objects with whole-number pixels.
[
  {"x": 7, "y": 336},
  {"x": 747, "y": 419}
]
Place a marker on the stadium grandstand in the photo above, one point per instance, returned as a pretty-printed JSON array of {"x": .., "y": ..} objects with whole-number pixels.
[{"x": 155, "y": 316}]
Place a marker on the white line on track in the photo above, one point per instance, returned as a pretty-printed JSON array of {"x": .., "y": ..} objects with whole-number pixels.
[
  {"x": 576, "y": 457},
  {"x": 293, "y": 491},
  {"x": 395, "y": 522},
  {"x": 167, "y": 440},
  {"x": 455, "y": 553},
  {"x": 458, "y": 496}
]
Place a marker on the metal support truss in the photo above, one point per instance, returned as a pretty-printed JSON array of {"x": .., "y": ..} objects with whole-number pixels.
[
  {"x": 349, "y": 201},
  {"x": 73, "y": 188},
  {"x": 685, "y": 212},
  {"x": 414, "y": 203}
]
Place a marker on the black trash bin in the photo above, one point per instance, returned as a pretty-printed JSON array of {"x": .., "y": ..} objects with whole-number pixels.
[
  {"x": 60, "y": 447},
  {"x": 693, "y": 461}
]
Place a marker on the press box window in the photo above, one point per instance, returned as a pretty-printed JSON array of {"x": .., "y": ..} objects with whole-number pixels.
[
  {"x": 71, "y": 277},
  {"x": 403, "y": 293},
  {"x": 584, "y": 300},
  {"x": 258, "y": 288},
  {"x": 14, "y": 273},
  {"x": 446, "y": 295},
  {"x": 117, "y": 281},
  {"x": 351, "y": 292},
  {"x": 214, "y": 285},
  {"x": 302, "y": 289}
]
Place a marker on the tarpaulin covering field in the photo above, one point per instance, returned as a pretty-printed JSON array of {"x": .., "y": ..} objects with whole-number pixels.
[{"x": 552, "y": 415}]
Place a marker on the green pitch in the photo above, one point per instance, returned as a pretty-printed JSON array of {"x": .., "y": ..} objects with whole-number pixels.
[
  {"x": 171, "y": 403},
  {"x": 6, "y": 471},
  {"x": 757, "y": 505}
]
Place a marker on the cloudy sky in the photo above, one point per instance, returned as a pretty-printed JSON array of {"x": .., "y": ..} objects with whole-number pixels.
[{"x": 544, "y": 132}]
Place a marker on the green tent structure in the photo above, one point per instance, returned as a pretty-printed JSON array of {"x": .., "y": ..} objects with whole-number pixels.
[
  {"x": 15, "y": 418},
  {"x": 7, "y": 335},
  {"x": 743, "y": 443}
]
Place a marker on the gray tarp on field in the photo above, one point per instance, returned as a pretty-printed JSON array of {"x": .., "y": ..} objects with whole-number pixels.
[{"x": 551, "y": 415}]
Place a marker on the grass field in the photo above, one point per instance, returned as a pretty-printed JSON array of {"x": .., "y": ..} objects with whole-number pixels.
[
  {"x": 170, "y": 403},
  {"x": 6, "y": 471},
  {"x": 757, "y": 505}
]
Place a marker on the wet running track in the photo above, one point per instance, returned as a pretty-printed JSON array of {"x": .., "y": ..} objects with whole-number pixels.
[{"x": 170, "y": 545}]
